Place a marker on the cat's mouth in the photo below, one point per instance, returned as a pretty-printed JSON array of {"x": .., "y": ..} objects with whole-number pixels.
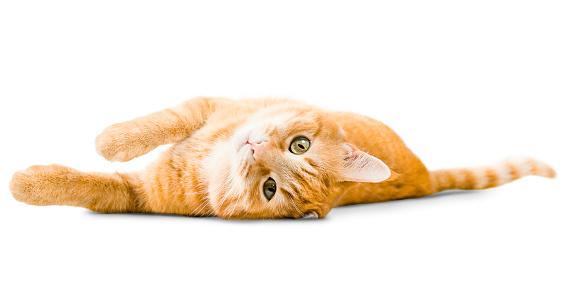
[
  {"x": 245, "y": 145},
  {"x": 244, "y": 142},
  {"x": 245, "y": 151},
  {"x": 248, "y": 146}
]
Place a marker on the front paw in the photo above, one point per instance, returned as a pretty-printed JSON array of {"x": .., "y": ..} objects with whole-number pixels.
[
  {"x": 35, "y": 184},
  {"x": 121, "y": 142}
]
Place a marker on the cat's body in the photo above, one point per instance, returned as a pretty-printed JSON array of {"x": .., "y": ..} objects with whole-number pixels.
[{"x": 254, "y": 159}]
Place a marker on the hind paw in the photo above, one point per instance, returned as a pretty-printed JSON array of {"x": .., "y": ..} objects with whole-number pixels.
[{"x": 35, "y": 185}]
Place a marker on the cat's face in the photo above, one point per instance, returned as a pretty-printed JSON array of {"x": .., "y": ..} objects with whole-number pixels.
[{"x": 284, "y": 162}]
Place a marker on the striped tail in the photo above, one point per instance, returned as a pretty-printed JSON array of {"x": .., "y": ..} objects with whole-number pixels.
[{"x": 489, "y": 176}]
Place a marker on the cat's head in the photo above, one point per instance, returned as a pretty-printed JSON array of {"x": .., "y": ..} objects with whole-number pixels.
[{"x": 285, "y": 162}]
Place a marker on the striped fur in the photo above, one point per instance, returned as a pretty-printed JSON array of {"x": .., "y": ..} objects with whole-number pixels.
[{"x": 490, "y": 176}]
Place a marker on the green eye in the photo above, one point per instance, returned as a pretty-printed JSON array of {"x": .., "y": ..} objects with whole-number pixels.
[
  {"x": 269, "y": 188},
  {"x": 300, "y": 145}
]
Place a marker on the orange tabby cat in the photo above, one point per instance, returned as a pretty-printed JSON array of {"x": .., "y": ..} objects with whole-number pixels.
[{"x": 254, "y": 159}]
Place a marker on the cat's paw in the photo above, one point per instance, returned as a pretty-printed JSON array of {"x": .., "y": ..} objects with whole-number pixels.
[
  {"x": 33, "y": 185},
  {"x": 122, "y": 142}
]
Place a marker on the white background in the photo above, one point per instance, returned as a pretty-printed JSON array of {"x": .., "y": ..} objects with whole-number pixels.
[{"x": 463, "y": 82}]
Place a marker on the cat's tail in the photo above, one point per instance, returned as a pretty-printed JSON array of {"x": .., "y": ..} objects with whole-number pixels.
[{"x": 485, "y": 177}]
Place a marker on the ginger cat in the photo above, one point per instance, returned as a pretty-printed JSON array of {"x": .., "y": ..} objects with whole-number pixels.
[{"x": 254, "y": 159}]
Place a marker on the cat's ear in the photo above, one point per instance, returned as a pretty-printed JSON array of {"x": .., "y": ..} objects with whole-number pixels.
[{"x": 362, "y": 167}]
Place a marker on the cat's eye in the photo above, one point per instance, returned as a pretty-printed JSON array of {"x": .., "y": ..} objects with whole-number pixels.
[
  {"x": 269, "y": 188},
  {"x": 300, "y": 145}
]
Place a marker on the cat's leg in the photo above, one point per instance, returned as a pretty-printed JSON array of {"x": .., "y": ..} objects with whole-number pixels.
[
  {"x": 127, "y": 140},
  {"x": 60, "y": 185}
]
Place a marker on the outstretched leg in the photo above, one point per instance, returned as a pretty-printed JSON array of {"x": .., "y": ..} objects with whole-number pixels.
[
  {"x": 60, "y": 185},
  {"x": 127, "y": 140}
]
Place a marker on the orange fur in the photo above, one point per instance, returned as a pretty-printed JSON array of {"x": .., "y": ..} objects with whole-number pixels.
[{"x": 216, "y": 167}]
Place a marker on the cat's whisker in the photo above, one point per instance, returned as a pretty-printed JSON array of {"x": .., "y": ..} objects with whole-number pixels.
[
  {"x": 195, "y": 210},
  {"x": 225, "y": 197},
  {"x": 223, "y": 184},
  {"x": 232, "y": 204},
  {"x": 200, "y": 208},
  {"x": 234, "y": 208},
  {"x": 296, "y": 207},
  {"x": 206, "y": 202},
  {"x": 195, "y": 192},
  {"x": 290, "y": 198},
  {"x": 210, "y": 213},
  {"x": 238, "y": 199},
  {"x": 366, "y": 188},
  {"x": 225, "y": 212},
  {"x": 207, "y": 198}
]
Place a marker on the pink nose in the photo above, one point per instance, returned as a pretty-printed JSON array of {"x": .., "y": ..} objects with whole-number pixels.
[{"x": 257, "y": 148}]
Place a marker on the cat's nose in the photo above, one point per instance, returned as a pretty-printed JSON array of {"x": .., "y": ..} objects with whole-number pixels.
[{"x": 257, "y": 149}]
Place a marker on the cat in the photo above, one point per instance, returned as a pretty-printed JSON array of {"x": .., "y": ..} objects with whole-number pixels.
[{"x": 254, "y": 159}]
